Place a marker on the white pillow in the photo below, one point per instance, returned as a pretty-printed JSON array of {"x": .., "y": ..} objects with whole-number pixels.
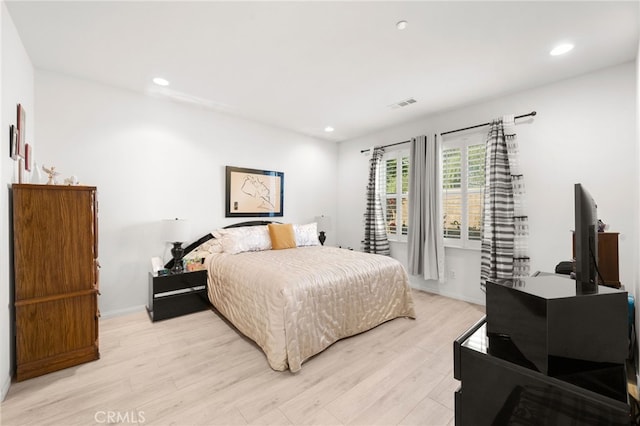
[
  {"x": 203, "y": 250},
  {"x": 306, "y": 235},
  {"x": 246, "y": 238}
]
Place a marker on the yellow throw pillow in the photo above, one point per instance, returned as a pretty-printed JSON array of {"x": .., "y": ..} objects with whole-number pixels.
[{"x": 282, "y": 236}]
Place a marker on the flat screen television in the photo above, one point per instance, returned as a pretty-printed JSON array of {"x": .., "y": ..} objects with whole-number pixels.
[{"x": 586, "y": 241}]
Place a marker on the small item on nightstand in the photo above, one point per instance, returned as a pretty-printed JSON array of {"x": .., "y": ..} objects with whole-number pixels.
[
  {"x": 163, "y": 272},
  {"x": 194, "y": 264},
  {"x": 156, "y": 265}
]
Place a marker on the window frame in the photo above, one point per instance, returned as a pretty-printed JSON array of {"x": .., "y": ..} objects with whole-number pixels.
[
  {"x": 462, "y": 142},
  {"x": 398, "y": 154}
]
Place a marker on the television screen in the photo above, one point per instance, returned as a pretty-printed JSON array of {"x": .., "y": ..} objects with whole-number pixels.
[{"x": 586, "y": 241}]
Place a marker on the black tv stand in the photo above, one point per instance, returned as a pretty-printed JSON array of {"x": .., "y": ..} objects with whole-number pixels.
[{"x": 545, "y": 355}]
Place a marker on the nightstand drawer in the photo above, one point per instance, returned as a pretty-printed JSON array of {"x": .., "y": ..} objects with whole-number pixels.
[
  {"x": 179, "y": 304},
  {"x": 179, "y": 281},
  {"x": 174, "y": 295}
]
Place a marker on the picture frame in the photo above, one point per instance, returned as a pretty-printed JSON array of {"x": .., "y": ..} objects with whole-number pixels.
[
  {"x": 22, "y": 130},
  {"x": 13, "y": 142},
  {"x": 253, "y": 193},
  {"x": 27, "y": 157}
]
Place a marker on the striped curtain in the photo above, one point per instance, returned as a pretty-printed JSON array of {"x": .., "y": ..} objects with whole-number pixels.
[
  {"x": 375, "y": 233},
  {"x": 505, "y": 226}
]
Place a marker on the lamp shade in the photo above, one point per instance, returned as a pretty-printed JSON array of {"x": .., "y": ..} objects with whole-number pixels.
[
  {"x": 176, "y": 230},
  {"x": 324, "y": 223}
]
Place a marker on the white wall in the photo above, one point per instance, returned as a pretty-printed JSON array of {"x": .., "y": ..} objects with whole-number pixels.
[
  {"x": 584, "y": 132},
  {"x": 636, "y": 293},
  {"x": 155, "y": 159},
  {"x": 16, "y": 86}
]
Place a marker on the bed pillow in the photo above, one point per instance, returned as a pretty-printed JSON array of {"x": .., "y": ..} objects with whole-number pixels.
[
  {"x": 306, "y": 235},
  {"x": 246, "y": 238},
  {"x": 282, "y": 236},
  {"x": 203, "y": 250}
]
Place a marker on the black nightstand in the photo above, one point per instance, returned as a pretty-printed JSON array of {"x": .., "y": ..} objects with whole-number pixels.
[{"x": 178, "y": 294}]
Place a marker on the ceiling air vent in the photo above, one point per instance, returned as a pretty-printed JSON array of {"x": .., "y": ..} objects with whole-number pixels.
[{"x": 403, "y": 103}]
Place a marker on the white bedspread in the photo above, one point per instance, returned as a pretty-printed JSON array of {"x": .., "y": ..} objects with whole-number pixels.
[{"x": 294, "y": 303}]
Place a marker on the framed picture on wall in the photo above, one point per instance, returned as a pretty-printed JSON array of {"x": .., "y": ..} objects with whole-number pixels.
[
  {"x": 27, "y": 157},
  {"x": 13, "y": 142},
  {"x": 253, "y": 193},
  {"x": 22, "y": 130}
]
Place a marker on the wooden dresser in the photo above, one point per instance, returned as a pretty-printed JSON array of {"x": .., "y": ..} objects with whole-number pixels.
[
  {"x": 608, "y": 262},
  {"x": 608, "y": 259},
  {"x": 55, "y": 252}
]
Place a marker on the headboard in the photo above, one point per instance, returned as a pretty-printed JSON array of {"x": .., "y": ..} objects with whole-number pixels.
[
  {"x": 250, "y": 223},
  {"x": 188, "y": 249}
]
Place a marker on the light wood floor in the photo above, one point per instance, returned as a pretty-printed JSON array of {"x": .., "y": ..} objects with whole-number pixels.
[{"x": 196, "y": 370}]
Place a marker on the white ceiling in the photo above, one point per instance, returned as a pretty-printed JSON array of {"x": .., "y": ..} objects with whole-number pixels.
[{"x": 306, "y": 65}]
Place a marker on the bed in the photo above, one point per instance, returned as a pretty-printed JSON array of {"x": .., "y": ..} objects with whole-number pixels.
[{"x": 296, "y": 302}]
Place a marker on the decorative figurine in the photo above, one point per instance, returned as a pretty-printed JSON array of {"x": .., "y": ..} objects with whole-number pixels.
[
  {"x": 602, "y": 226},
  {"x": 52, "y": 175},
  {"x": 72, "y": 180}
]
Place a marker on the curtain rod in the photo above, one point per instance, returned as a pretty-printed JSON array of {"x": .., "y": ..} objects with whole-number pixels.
[{"x": 531, "y": 114}]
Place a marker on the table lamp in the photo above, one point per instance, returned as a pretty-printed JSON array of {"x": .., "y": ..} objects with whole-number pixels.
[
  {"x": 176, "y": 232},
  {"x": 324, "y": 224}
]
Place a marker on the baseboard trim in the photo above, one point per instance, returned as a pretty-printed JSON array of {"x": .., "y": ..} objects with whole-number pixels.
[
  {"x": 450, "y": 295},
  {"x": 120, "y": 312},
  {"x": 5, "y": 387}
]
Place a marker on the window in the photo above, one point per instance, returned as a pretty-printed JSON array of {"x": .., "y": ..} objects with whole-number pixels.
[
  {"x": 462, "y": 191},
  {"x": 395, "y": 201}
]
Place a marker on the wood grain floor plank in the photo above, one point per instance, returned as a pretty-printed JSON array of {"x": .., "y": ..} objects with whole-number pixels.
[
  {"x": 397, "y": 401},
  {"x": 272, "y": 418},
  {"x": 197, "y": 370},
  {"x": 312, "y": 402},
  {"x": 428, "y": 413},
  {"x": 364, "y": 395}
]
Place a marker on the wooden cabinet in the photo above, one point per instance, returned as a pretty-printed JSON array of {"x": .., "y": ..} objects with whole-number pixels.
[
  {"x": 55, "y": 251},
  {"x": 608, "y": 260}
]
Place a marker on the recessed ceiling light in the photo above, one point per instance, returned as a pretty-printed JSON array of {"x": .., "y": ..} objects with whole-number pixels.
[
  {"x": 401, "y": 25},
  {"x": 561, "y": 49},
  {"x": 160, "y": 81},
  {"x": 328, "y": 129}
]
